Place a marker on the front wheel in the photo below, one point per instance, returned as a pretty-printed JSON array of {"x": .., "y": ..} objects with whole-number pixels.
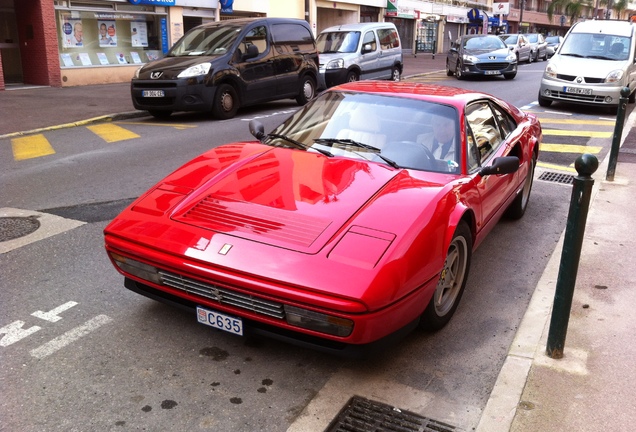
[
  {"x": 452, "y": 280},
  {"x": 510, "y": 76},
  {"x": 518, "y": 206},
  {"x": 396, "y": 75},
  {"x": 307, "y": 90},
  {"x": 458, "y": 71},
  {"x": 226, "y": 102},
  {"x": 449, "y": 72},
  {"x": 352, "y": 76},
  {"x": 544, "y": 102}
]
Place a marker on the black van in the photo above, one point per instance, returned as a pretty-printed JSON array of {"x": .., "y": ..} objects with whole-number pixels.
[{"x": 225, "y": 65}]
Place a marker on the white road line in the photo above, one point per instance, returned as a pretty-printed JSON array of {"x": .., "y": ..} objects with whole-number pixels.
[
  {"x": 52, "y": 315},
  {"x": 69, "y": 337}
]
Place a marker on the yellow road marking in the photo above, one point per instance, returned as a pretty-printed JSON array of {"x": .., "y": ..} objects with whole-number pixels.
[
  {"x": 176, "y": 126},
  {"x": 570, "y": 148},
  {"x": 573, "y": 121},
  {"x": 557, "y": 167},
  {"x": 112, "y": 133},
  {"x": 31, "y": 147},
  {"x": 591, "y": 134}
]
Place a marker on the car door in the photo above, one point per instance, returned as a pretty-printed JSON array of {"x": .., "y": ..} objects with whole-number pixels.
[
  {"x": 369, "y": 56},
  {"x": 486, "y": 140},
  {"x": 525, "y": 49},
  {"x": 255, "y": 64},
  {"x": 390, "y": 50},
  {"x": 292, "y": 42}
]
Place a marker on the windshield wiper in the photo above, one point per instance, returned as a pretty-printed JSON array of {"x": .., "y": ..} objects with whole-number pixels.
[
  {"x": 375, "y": 150},
  {"x": 573, "y": 55},
  {"x": 601, "y": 57},
  {"x": 298, "y": 144}
]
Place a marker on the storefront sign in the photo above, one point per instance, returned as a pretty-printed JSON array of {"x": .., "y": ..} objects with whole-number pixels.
[
  {"x": 391, "y": 7},
  {"x": 164, "y": 35},
  {"x": 226, "y": 6},
  {"x": 153, "y": 2},
  {"x": 501, "y": 8}
]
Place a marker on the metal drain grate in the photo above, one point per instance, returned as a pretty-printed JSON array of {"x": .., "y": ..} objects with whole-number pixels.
[
  {"x": 12, "y": 228},
  {"x": 557, "y": 177},
  {"x": 364, "y": 415}
]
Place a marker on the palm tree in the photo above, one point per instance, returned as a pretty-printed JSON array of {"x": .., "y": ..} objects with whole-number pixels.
[{"x": 571, "y": 8}]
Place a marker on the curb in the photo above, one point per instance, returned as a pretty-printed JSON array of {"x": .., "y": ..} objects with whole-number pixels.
[{"x": 501, "y": 407}]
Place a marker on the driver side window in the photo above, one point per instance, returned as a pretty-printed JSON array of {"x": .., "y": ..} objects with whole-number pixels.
[
  {"x": 369, "y": 39},
  {"x": 486, "y": 136}
]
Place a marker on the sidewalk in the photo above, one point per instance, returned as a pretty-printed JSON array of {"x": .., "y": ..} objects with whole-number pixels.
[
  {"x": 591, "y": 388},
  {"x": 32, "y": 108}
]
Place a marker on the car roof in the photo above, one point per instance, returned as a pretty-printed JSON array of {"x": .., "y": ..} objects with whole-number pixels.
[
  {"x": 454, "y": 96},
  {"x": 613, "y": 27},
  {"x": 359, "y": 26}
]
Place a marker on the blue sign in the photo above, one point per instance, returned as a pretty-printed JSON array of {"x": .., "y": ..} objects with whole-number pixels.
[
  {"x": 153, "y": 2},
  {"x": 164, "y": 35},
  {"x": 226, "y": 6}
]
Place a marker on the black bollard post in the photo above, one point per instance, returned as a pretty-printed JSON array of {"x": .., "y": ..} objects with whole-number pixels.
[
  {"x": 585, "y": 165},
  {"x": 618, "y": 132}
]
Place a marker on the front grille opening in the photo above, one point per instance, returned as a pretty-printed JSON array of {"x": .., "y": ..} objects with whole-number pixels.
[
  {"x": 557, "y": 177},
  {"x": 363, "y": 415}
]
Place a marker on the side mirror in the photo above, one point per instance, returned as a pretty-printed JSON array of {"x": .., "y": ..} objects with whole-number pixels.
[
  {"x": 366, "y": 48},
  {"x": 501, "y": 165},
  {"x": 252, "y": 51},
  {"x": 257, "y": 129}
]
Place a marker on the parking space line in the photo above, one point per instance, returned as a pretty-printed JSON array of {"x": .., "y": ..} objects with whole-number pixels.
[
  {"x": 590, "y": 134},
  {"x": 30, "y": 147},
  {"x": 112, "y": 133},
  {"x": 69, "y": 337},
  {"x": 570, "y": 148}
]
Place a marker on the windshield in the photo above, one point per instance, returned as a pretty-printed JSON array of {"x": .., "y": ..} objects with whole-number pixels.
[
  {"x": 552, "y": 39},
  {"x": 374, "y": 128},
  {"x": 342, "y": 42},
  {"x": 215, "y": 40},
  {"x": 510, "y": 40},
  {"x": 595, "y": 45},
  {"x": 533, "y": 38},
  {"x": 484, "y": 43}
]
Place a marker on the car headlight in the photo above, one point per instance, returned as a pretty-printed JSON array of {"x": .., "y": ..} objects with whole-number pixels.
[
  {"x": 614, "y": 76},
  {"x": 138, "y": 71},
  {"x": 319, "y": 322},
  {"x": 197, "y": 70},
  {"x": 137, "y": 268},
  {"x": 335, "y": 64},
  {"x": 511, "y": 57},
  {"x": 470, "y": 59},
  {"x": 550, "y": 71}
]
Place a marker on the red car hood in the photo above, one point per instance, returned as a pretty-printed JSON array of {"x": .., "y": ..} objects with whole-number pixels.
[{"x": 292, "y": 199}]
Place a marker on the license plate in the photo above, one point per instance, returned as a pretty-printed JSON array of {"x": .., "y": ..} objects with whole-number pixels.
[
  {"x": 577, "y": 90},
  {"x": 492, "y": 72},
  {"x": 220, "y": 321},
  {"x": 153, "y": 93}
]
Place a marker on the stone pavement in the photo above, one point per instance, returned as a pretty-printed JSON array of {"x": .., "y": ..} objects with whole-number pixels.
[{"x": 591, "y": 388}]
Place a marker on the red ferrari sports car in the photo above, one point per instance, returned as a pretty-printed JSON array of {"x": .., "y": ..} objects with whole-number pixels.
[{"x": 347, "y": 226}]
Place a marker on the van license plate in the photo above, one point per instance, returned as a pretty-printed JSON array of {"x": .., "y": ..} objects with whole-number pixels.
[
  {"x": 220, "y": 321},
  {"x": 153, "y": 93},
  {"x": 576, "y": 90}
]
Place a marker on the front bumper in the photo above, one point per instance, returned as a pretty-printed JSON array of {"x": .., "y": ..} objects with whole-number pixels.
[
  {"x": 601, "y": 94},
  {"x": 489, "y": 69},
  {"x": 179, "y": 95}
]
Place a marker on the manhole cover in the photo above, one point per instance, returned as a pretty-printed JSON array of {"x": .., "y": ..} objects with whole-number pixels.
[
  {"x": 16, "y": 227},
  {"x": 364, "y": 415},
  {"x": 557, "y": 177}
]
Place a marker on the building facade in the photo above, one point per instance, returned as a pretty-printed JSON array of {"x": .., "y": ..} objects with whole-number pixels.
[{"x": 82, "y": 42}]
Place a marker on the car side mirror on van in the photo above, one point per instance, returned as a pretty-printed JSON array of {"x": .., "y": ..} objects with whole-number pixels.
[
  {"x": 366, "y": 48},
  {"x": 252, "y": 51}
]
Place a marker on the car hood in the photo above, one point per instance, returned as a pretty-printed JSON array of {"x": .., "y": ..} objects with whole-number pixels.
[
  {"x": 173, "y": 66},
  {"x": 594, "y": 68},
  {"x": 485, "y": 54}
]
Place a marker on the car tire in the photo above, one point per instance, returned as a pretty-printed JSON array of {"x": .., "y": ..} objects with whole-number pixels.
[
  {"x": 396, "y": 75},
  {"x": 226, "y": 102},
  {"x": 352, "y": 76},
  {"x": 632, "y": 97},
  {"x": 510, "y": 76},
  {"x": 160, "y": 115},
  {"x": 452, "y": 280},
  {"x": 536, "y": 56},
  {"x": 530, "y": 55},
  {"x": 544, "y": 102},
  {"x": 307, "y": 90},
  {"x": 449, "y": 72},
  {"x": 458, "y": 71},
  {"x": 518, "y": 207},
  {"x": 545, "y": 56}
]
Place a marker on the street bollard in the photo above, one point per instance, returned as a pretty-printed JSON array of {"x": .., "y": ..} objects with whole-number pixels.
[
  {"x": 585, "y": 165},
  {"x": 618, "y": 132}
]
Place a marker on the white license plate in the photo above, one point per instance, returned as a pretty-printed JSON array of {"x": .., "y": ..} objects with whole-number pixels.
[
  {"x": 220, "y": 321},
  {"x": 153, "y": 93},
  {"x": 577, "y": 90},
  {"x": 492, "y": 72}
]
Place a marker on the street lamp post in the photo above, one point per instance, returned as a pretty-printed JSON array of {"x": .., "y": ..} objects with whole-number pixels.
[{"x": 523, "y": 3}]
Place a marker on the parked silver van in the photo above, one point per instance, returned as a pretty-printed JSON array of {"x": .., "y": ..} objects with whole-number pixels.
[
  {"x": 592, "y": 65},
  {"x": 352, "y": 52}
]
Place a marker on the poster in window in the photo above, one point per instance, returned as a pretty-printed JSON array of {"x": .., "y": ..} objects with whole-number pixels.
[
  {"x": 139, "y": 33},
  {"x": 85, "y": 59},
  {"x": 72, "y": 32},
  {"x": 107, "y": 33}
]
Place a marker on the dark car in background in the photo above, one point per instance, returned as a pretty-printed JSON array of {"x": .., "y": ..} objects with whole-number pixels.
[
  {"x": 552, "y": 44},
  {"x": 225, "y": 65},
  {"x": 480, "y": 55}
]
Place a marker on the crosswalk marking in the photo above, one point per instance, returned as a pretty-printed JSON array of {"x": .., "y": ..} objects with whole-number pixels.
[
  {"x": 557, "y": 167},
  {"x": 577, "y": 122},
  {"x": 30, "y": 147},
  {"x": 589, "y": 134},
  {"x": 174, "y": 125},
  {"x": 570, "y": 148},
  {"x": 112, "y": 133}
]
